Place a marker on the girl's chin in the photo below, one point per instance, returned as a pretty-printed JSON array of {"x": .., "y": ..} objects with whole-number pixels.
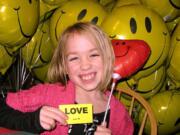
[{"x": 89, "y": 87}]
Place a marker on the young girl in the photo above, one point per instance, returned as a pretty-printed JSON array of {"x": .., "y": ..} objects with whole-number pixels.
[{"x": 80, "y": 72}]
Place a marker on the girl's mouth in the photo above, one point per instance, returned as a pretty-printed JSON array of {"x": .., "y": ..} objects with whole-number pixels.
[{"x": 87, "y": 77}]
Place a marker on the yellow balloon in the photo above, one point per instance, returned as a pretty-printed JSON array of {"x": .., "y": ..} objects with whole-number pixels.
[
  {"x": 12, "y": 51},
  {"x": 46, "y": 10},
  {"x": 173, "y": 70},
  {"x": 40, "y": 73},
  {"x": 6, "y": 60},
  {"x": 38, "y": 52},
  {"x": 126, "y": 2},
  {"x": 105, "y": 2},
  {"x": 167, "y": 9},
  {"x": 19, "y": 20},
  {"x": 110, "y": 6},
  {"x": 138, "y": 22},
  {"x": 166, "y": 108},
  {"x": 146, "y": 86},
  {"x": 74, "y": 11},
  {"x": 172, "y": 24},
  {"x": 171, "y": 84},
  {"x": 55, "y": 2}
]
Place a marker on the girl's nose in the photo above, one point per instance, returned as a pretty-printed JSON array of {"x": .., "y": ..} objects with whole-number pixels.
[{"x": 85, "y": 63}]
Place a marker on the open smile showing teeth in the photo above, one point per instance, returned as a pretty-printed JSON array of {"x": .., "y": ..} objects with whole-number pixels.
[{"x": 87, "y": 77}]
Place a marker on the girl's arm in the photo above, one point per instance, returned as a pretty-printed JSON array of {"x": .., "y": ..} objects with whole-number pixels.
[
  {"x": 16, "y": 120},
  {"x": 42, "y": 119}
]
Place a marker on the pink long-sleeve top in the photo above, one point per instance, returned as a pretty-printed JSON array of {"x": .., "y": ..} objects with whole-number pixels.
[{"x": 55, "y": 95}]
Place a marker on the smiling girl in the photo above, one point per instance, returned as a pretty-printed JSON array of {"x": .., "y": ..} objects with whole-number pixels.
[{"x": 80, "y": 73}]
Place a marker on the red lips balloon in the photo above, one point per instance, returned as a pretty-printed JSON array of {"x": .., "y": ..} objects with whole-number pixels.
[{"x": 130, "y": 55}]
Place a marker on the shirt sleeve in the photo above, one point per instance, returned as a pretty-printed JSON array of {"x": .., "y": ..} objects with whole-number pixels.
[
  {"x": 27, "y": 100},
  {"x": 128, "y": 126},
  {"x": 120, "y": 121},
  {"x": 16, "y": 120}
]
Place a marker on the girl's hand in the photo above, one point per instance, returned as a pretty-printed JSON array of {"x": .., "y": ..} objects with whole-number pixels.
[
  {"x": 50, "y": 115},
  {"x": 102, "y": 130}
]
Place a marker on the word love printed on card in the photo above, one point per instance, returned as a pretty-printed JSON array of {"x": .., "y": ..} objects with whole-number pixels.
[{"x": 78, "y": 113}]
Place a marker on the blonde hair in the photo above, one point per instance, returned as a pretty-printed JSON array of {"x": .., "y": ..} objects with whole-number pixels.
[{"x": 57, "y": 69}]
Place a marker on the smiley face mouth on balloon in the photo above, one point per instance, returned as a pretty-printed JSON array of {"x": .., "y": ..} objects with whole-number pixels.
[
  {"x": 19, "y": 22},
  {"x": 130, "y": 56},
  {"x": 160, "y": 54},
  {"x": 175, "y": 3},
  {"x": 156, "y": 61},
  {"x": 57, "y": 23}
]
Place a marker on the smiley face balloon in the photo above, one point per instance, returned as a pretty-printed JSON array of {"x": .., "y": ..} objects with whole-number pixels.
[
  {"x": 19, "y": 20},
  {"x": 74, "y": 11},
  {"x": 38, "y": 51},
  {"x": 166, "y": 108},
  {"x": 138, "y": 22},
  {"x": 173, "y": 67}
]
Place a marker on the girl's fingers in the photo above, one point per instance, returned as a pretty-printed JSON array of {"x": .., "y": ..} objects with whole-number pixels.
[
  {"x": 50, "y": 115},
  {"x": 104, "y": 124},
  {"x": 57, "y": 115},
  {"x": 102, "y": 130},
  {"x": 47, "y": 125}
]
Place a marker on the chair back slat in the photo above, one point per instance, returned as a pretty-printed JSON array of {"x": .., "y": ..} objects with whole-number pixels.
[
  {"x": 144, "y": 104},
  {"x": 143, "y": 124}
]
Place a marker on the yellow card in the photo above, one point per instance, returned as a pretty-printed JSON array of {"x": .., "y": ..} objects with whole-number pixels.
[{"x": 78, "y": 113}]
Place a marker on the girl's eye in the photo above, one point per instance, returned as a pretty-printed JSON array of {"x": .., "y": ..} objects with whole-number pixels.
[
  {"x": 72, "y": 58},
  {"x": 94, "y": 55}
]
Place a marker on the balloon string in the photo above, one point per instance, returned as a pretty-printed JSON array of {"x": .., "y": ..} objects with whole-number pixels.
[
  {"x": 25, "y": 77},
  {"x": 109, "y": 99}
]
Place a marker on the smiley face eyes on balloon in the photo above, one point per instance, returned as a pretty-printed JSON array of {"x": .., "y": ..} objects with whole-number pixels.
[
  {"x": 82, "y": 14},
  {"x": 133, "y": 25},
  {"x": 148, "y": 24},
  {"x": 95, "y": 20}
]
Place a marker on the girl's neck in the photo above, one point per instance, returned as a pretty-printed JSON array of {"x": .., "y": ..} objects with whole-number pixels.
[
  {"x": 88, "y": 96},
  {"x": 97, "y": 98}
]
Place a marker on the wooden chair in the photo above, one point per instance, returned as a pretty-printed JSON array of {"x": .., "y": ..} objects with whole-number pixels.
[{"x": 143, "y": 103}]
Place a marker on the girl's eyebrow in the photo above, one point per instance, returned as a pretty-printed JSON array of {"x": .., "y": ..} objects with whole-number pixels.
[
  {"x": 94, "y": 49},
  {"x": 91, "y": 50}
]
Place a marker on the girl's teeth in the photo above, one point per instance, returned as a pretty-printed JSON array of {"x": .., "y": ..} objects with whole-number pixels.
[{"x": 87, "y": 77}]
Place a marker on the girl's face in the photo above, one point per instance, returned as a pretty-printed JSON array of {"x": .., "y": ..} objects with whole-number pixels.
[{"x": 84, "y": 63}]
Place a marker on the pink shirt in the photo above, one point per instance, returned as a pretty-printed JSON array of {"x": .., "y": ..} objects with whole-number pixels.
[{"x": 55, "y": 95}]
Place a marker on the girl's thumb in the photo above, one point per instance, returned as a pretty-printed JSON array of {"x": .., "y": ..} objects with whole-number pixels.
[{"x": 104, "y": 124}]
